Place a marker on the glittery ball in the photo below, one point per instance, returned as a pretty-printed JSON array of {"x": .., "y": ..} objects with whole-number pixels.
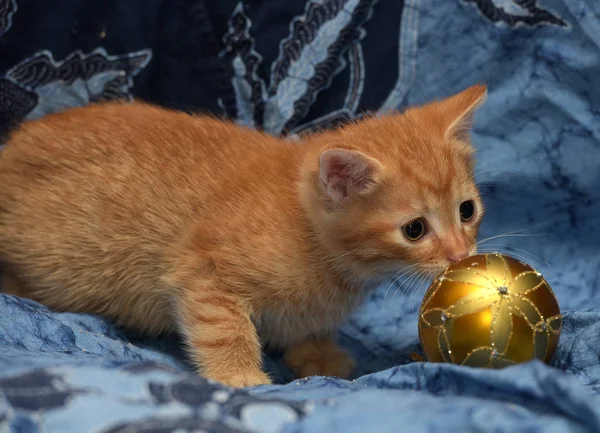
[{"x": 489, "y": 310}]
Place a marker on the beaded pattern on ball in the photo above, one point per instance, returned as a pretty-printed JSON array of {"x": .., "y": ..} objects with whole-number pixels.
[{"x": 489, "y": 310}]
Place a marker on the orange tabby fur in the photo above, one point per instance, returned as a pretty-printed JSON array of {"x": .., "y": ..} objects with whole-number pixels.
[{"x": 165, "y": 221}]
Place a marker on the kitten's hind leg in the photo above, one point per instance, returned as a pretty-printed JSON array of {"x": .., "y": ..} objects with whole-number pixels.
[
  {"x": 221, "y": 337},
  {"x": 319, "y": 357}
]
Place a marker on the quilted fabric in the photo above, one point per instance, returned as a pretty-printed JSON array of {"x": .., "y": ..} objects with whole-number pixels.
[{"x": 538, "y": 152}]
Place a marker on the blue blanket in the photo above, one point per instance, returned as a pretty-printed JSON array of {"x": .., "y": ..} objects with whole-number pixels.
[{"x": 538, "y": 141}]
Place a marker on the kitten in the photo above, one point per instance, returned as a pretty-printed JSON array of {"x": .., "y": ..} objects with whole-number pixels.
[{"x": 164, "y": 221}]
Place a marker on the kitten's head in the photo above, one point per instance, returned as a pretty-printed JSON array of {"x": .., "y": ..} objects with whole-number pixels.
[{"x": 387, "y": 192}]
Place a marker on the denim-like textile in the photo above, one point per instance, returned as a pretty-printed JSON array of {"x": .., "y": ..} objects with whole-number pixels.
[{"x": 289, "y": 67}]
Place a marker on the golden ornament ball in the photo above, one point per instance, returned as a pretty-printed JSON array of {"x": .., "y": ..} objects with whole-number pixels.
[{"x": 489, "y": 310}]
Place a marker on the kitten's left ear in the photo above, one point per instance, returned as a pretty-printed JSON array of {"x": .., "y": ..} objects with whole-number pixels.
[
  {"x": 344, "y": 173},
  {"x": 460, "y": 110}
]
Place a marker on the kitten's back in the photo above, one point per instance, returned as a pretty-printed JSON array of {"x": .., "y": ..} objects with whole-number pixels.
[{"x": 105, "y": 189}]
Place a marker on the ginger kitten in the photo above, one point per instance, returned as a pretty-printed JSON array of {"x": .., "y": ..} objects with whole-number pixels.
[{"x": 164, "y": 221}]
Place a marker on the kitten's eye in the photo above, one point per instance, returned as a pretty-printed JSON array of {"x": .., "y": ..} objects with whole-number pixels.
[
  {"x": 415, "y": 230},
  {"x": 467, "y": 210}
]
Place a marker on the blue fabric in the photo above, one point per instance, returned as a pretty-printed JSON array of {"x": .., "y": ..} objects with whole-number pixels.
[{"x": 538, "y": 141}]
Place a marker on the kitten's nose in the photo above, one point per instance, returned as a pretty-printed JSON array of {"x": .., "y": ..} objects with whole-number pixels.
[{"x": 457, "y": 255}]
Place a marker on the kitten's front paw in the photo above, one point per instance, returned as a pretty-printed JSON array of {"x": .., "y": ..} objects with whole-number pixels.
[
  {"x": 242, "y": 379},
  {"x": 319, "y": 358}
]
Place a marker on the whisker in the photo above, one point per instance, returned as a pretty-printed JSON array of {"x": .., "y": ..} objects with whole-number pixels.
[
  {"x": 404, "y": 284},
  {"x": 533, "y": 235},
  {"x": 334, "y": 259},
  {"x": 479, "y": 173},
  {"x": 410, "y": 290},
  {"x": 396, "y": 277},
  {"x": 515, "y": 232},
  {"x": 418, "y": 286},
  {"x": 496, "y": 181},
  {"x": 423, "y": 286},
  {"x": 509, "y": 253},
  {"x": 347, "y": 253},
  {"x": 509, "y": 248}
]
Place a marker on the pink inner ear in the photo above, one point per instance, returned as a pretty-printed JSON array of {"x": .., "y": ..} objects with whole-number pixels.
[{"x": 345, "y": 171}]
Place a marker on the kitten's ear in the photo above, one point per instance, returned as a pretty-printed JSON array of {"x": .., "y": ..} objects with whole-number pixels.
[
  {"x": 460, "y": 110},
  {"x": 346, "y": 172}
]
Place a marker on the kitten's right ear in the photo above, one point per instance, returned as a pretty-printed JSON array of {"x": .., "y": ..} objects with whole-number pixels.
[
  {"x": 344, "y": 173},
  {"x": 460, "y": 109}
]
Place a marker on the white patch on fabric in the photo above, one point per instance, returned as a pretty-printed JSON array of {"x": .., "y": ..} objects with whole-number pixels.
[{"x": 267, "y": 417}]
